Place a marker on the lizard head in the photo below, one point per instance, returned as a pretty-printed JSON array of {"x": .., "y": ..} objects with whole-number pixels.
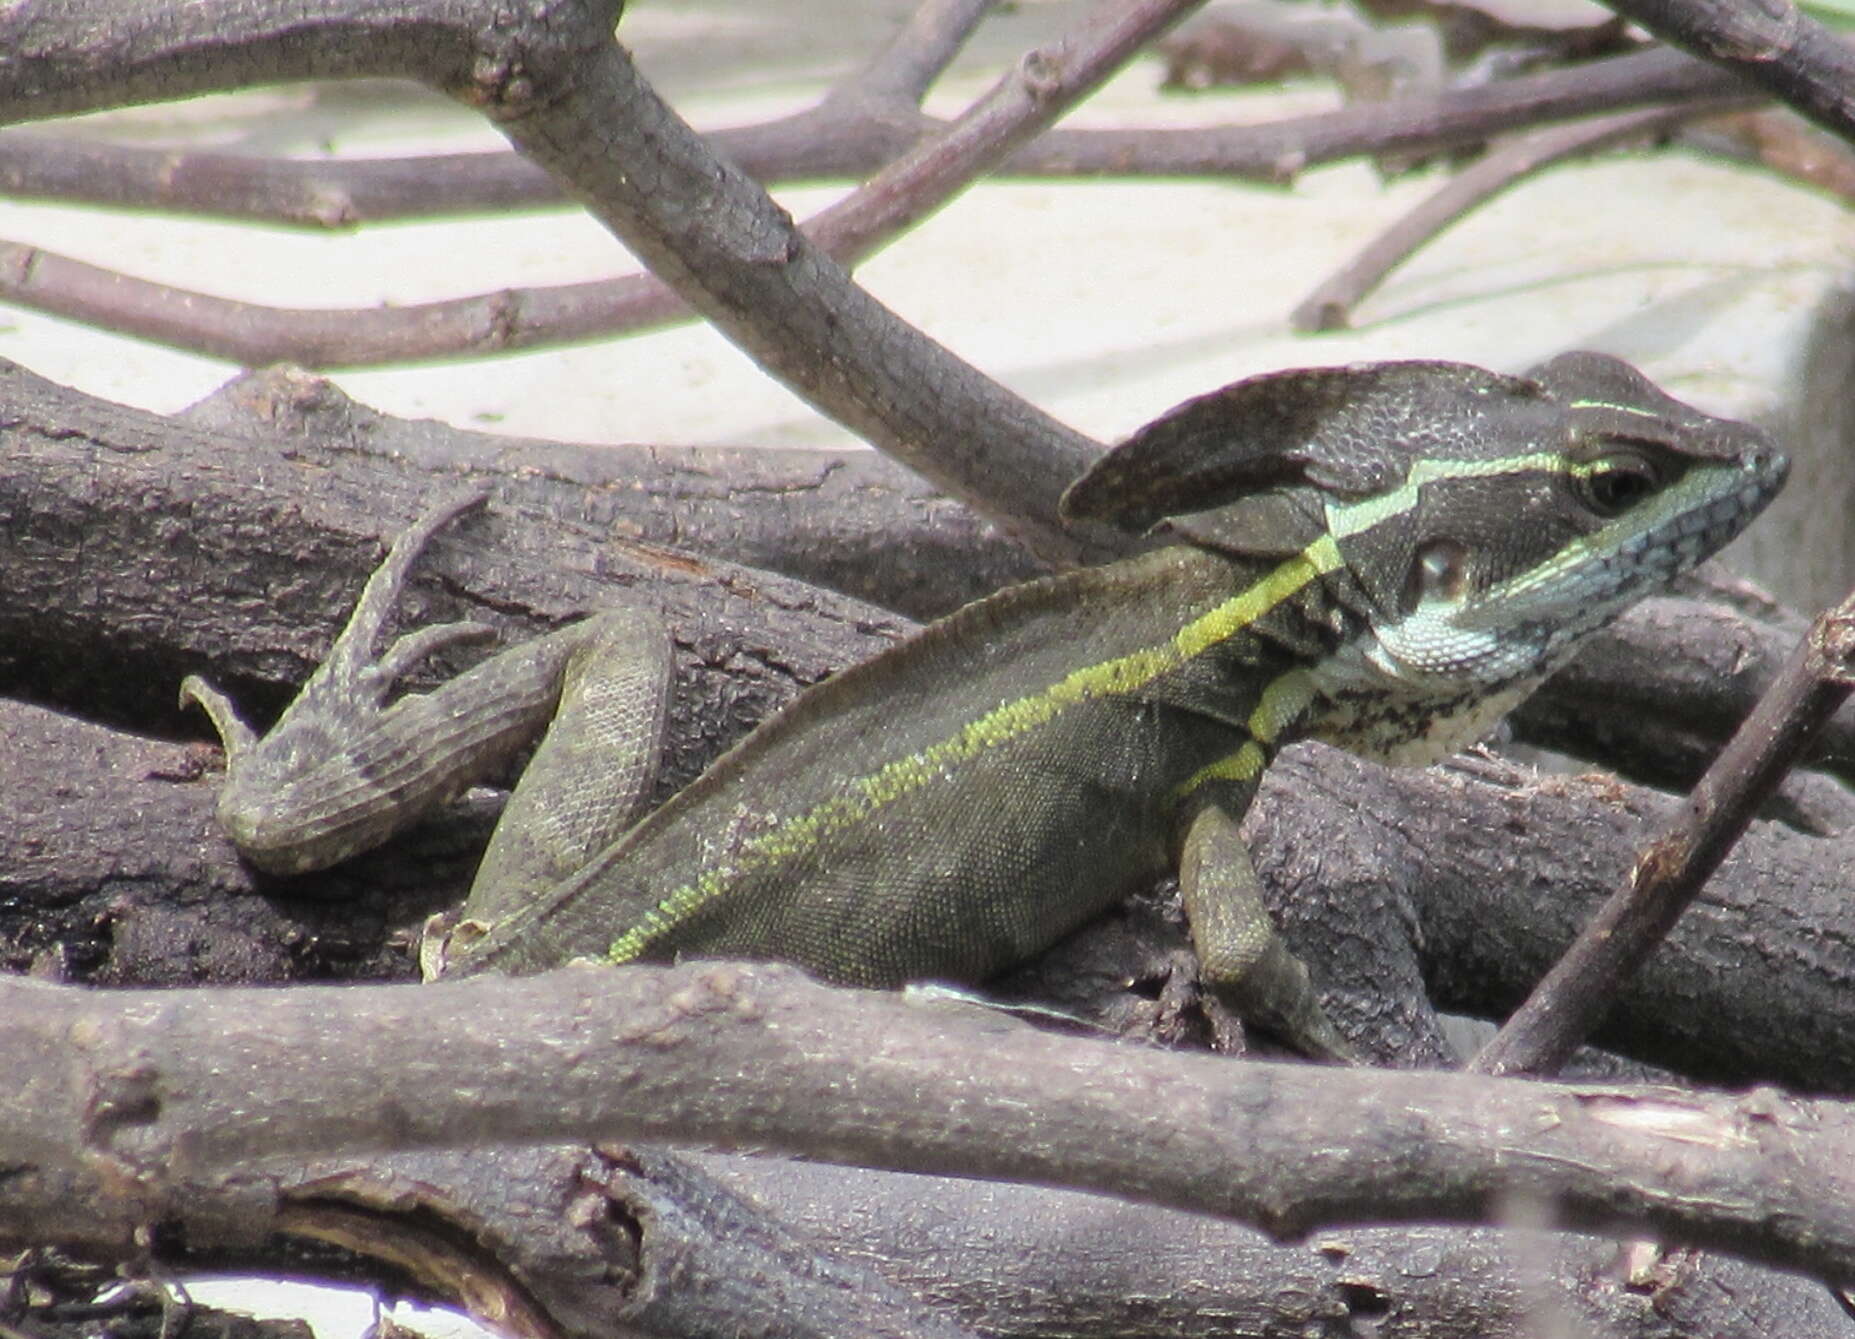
[{"x": 1476, "y": 524}]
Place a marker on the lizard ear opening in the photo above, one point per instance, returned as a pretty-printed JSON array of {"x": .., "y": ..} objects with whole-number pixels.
[{"x": 1339, "y": 429}]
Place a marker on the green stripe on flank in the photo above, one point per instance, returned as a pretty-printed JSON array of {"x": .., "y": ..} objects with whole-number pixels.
[
  {"x": 1281, "y": 703},
  {"x": 864, "y": 795},
  {"x": 1245, "y": 764},
  {"x": 1345, "y": 519}
]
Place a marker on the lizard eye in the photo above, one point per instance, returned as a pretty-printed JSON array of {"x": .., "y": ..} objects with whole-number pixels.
[{"x": 1612, "y": 484}]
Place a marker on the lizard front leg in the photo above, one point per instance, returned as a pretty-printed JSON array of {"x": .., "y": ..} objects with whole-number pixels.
[
  {"x": 1242, "y": 957},
  {"x": 344, "y": 768}
]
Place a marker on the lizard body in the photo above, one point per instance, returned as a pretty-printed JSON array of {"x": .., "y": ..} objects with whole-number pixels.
[{"x": 1386, "y": 557}]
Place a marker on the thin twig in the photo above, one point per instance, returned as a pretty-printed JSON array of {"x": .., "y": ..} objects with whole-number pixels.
[
  {"x": 902, "y": 72},
  {"x": 851, "y": 133},
  {"x": 1574, "y": 995},
  {"x": 1047, "y": 82},
  {"x": 1771, "y": 44},
  {"x": 1330, "y": 305}
]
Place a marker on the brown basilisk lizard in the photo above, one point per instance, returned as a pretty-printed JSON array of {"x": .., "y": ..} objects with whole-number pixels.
[{"x": 1386, "y": 557}]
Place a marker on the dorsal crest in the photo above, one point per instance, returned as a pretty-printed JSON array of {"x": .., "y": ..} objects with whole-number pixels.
[{"x": 1349, "y": 432}]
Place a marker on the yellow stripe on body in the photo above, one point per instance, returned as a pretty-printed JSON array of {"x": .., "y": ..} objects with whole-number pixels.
[
  {"x": 1245, "y": 764},
  {"x": 1282, "y": 702},
  {"x": 864, "y": 795},
  {"x": 1345, "y": 519}
]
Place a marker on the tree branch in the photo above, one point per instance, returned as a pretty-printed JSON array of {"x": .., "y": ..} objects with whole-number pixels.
[
  {"x": 1670, "y": 873},
  {"x": 1330, "y": 305},
  {"x": 1029, "y": 1260},
  {"x": 576, "y": 1241},
  {"x": 1396, "y": 882},
  {"x": 554, "y": 80},
  {"x": 175, "y": 1095},
  {"x": 236, "y": 521},
  {"x": 851, "y": 521},
  {"x": 715, "y": 237},
  {"x": 1772, "y": 44}
]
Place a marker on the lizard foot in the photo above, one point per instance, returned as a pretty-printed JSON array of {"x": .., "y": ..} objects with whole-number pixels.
[{"x": 331, "y": 777}]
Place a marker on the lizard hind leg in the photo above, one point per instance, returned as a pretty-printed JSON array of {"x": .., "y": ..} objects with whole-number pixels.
[
  {"x": 343, "y": 769},
  {"x": 591, "y": 775}
]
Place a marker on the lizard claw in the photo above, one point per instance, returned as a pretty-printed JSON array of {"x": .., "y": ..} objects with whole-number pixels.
[
  {"x": 348, "y": 658},
  {"x": 409, "y": 650},
  {"x": 234, "y": 735}
]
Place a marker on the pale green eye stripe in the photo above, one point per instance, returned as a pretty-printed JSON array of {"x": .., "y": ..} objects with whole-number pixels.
[
  {"x": 1616, "y": 408},
  {"x": 863, "y": 795},
  {"x": 1345, "y": 519},
  {"x": 1588, "y": 551}
]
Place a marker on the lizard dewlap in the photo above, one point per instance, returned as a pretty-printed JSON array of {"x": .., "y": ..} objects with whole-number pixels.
[{"x": 1386, "y": 557}]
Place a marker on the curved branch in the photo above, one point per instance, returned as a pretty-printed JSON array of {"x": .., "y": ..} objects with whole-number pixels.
[
  {"x": 557, "y": 83},
  {"x": 1771, "y": 44},
  {"x": 181, "y": 1093},
  {"x": 252, "y": 334},
  {"x": 1330, "y": 305}
]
